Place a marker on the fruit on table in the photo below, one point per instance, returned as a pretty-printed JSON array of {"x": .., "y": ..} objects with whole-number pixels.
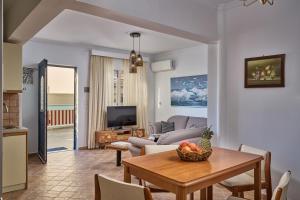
[
  {"x": 187, "y": 147},
  {"x": 205, "y": 139}
]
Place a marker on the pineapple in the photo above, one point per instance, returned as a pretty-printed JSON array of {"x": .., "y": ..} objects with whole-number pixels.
[{"x": 205, "y": 139}]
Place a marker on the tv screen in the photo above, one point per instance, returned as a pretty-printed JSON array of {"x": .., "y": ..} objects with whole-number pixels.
[{"x": 118, "y": 116}]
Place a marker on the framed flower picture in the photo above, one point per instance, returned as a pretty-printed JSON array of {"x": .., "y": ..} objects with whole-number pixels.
[{"x": 266, "y": 71}]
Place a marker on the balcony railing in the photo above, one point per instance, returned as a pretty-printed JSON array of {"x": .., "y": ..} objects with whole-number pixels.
[{"x": 60, "y": 115}]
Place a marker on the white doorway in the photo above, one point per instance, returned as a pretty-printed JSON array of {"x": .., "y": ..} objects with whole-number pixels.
[{"x": 61, "y": 108}]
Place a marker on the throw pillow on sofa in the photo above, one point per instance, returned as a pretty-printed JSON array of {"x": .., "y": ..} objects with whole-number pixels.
[{"x": 167, "y": 126}]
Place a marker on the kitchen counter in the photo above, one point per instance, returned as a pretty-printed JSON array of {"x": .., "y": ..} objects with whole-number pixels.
[
  {"x": 15, "y": 159},
  {"x": 14, "y": 131}
]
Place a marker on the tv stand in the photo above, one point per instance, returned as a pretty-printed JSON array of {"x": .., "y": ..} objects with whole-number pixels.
[
  {"x": 122, "y": 131},
  {"x": 105, "y": 137}
]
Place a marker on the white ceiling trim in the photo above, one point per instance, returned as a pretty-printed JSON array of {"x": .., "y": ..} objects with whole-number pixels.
[{"x": 114, "y": 55}]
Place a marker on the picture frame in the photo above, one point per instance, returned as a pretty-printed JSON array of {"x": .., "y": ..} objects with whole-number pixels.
[
  {"x": 190, "y": 91},
  {"x": 265, "y": 71}
]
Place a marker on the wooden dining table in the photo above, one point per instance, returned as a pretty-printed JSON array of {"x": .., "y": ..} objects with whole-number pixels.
[{"x": 168, "y": 172}]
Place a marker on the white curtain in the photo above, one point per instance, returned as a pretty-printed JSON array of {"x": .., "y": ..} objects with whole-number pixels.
[
  {"x": 135, "y": 92},
  {"x": 101, "y": 94}
]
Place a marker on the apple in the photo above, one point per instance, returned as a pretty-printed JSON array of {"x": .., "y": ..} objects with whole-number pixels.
[
  {"x": 193, "y": 147},
  {"x": 186, "y": 149},
  {"x": 183, "y": 144}
]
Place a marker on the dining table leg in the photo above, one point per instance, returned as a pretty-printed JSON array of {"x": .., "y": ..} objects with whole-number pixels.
[
  {"x": 257, "y": 181},
  {"x": 203, "y": 194},
  {"x": 181, "y": 194},
  {"x": 127, "y": 176},
  {"x": 206, "y": 193},
  {"x": 192, "y": 196},
  {"x": 210, "y": 193}
]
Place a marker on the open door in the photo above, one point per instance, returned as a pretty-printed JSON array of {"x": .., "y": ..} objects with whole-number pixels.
[{"x": 42, "y": 148}]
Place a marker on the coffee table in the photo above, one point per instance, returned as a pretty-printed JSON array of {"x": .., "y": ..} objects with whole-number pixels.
[
  {"x": 167, "y": 171},
  {"x": 119, "y": 147}
]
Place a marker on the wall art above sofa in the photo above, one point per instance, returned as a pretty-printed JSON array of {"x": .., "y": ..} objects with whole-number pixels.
[{"x": 189, "y": 91}]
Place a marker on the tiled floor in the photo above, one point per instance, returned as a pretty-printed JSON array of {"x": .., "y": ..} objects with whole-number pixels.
[
  {"x": 70, "y": 175},
  {"x": 60, "y": 137}
]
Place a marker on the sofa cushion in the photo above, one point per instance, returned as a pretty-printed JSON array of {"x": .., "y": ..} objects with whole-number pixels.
[
  {"x": 140, "y": 142},
  {"x": 135, "y": 151},
  {"x": 196, "y": 122},
  {"x": 179, "y": 135},
  {"x": 154, "y": 128},
  {"x": 167, "y": 127},
  {"x": 179, "y": 121}
]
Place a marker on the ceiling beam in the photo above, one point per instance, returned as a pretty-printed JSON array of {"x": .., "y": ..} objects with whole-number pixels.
[
  {"x": 35, "y": 14},
  {"x": 21, "y": 28},
  {"x": 135, "y": 21}
]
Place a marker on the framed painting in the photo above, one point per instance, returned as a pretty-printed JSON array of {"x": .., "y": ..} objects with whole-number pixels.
[
  {"x": 189, "y": 91},
  {"x": 264, "y": 72}
]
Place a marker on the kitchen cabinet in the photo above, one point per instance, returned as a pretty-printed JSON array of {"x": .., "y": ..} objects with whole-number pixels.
[
  {"x": 12, "y": 68},
  {"x": 15, "y": 160}
]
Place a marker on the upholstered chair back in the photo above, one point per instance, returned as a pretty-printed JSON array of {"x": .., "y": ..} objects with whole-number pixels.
[
  {"x": 151, "y": 149},
  {"x": 280, "y": 192},
  {"x": 265, "y": 164},
  {"x": 110, "y": 189}
]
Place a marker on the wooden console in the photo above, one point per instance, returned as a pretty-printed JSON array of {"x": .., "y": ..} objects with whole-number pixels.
[{"x": 106, "y": 137}]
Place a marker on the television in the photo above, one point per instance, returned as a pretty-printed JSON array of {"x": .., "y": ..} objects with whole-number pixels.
[{"x": 119, "y": 116}]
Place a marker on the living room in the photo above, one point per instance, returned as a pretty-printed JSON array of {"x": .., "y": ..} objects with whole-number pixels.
[{"x": 193, "y": 82}]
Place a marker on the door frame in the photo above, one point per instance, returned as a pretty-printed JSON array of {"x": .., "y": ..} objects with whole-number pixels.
[{"x": 75, "y": 99}]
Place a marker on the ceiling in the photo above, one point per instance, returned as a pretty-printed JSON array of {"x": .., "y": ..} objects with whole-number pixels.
[
  {"x": 79, "y": 28},
  {"x": 213, "y": 3}
]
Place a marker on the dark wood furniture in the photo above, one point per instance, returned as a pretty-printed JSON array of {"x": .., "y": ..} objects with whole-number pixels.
[
  {"x": 238, "y": 191},
  {"x": 156, "y": 189},
  {"x": 106, "y": 137},
  {"x": 119, "y": 149},
  {"x": 140, "y": 132},
  {"x": 167, "y": 171}
]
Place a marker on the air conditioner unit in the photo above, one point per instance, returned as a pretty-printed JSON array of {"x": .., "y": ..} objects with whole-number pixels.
[{"x": 160, "y": 66}]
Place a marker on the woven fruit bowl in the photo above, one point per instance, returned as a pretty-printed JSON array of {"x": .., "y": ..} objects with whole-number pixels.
[{"x": 194, "y": 156}]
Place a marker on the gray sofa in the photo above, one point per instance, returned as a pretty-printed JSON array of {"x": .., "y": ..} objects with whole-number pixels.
[{"x": 186, "y": 128}]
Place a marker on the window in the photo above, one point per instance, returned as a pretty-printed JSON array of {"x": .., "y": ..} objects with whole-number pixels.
[{"x": 118, "y": 87}]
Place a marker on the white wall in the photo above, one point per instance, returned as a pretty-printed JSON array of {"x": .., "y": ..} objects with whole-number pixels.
[
  {"x": 188, "y": 62},
  {"x": 267, "y": 118},
  {"x": 63, "y": 54}
]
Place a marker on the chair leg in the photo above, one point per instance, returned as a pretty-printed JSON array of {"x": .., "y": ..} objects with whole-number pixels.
[
  {"x": 241, "y": 194},
  {"x": 203, "y": 194},
  {"x": 235, "y": 193},
  {"x": 269, "y": 193},
  {"x": 140, "y": 182},
  {"x": 192, "y": 196}
]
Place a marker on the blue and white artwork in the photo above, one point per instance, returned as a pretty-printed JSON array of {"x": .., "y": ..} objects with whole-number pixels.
[{"x": 189, "y": 91}]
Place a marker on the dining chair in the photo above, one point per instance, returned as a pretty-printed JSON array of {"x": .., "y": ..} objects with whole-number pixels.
[
  {"x": 245, "y": 182},
  {"x": 110, "y": 189},
  {"x": 280, "y": 192},
  {"x": 151, "y": 149}
]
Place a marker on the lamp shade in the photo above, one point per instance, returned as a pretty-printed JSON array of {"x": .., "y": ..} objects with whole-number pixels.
[
  {"x": 139, "y": 61},
  {"x": 132, "y": 70},
  {"x": 132, "y": 56}
]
